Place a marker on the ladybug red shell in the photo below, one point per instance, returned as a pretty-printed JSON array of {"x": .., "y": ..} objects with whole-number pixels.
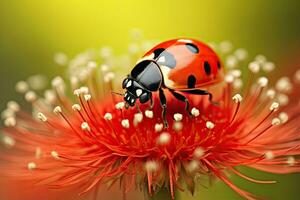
[
  {"x": 180, "y": 66},
  {"x": 186, "y": 63}
]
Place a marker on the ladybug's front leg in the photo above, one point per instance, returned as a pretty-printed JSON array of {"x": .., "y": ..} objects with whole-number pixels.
[{"x": 163, "y": 103}]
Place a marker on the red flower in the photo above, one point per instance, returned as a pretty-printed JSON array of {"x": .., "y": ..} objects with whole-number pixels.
[{"x": 94, "y": 140}]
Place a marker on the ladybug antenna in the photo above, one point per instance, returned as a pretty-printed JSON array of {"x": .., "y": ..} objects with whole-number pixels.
[{"x": 117, "y": 93}]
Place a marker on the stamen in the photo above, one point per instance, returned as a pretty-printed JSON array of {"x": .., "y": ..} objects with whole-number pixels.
[
  {"x": 57, "y": 110},
  {"x": 271, "y": 93},
  {"x": 14, "y": 106},
  {"x": 22, "y": 87},
  {"x": 198, "y": 152},
  {"x": 138, "y": 117},
  {"x": 229, "y": 78},
  {"x": 31, "y": 166},
  {"x": 125, "y": 123},
  {"x": 108, "y": 116},
  {"x": 231, "y": 61},
  {"x": 195, "y": 112},
  {"x": 283, "y": 116},
  {"x": 58, "y": 84},
  {"x": 275, "y": 121},
  {"x": 109, "y": 77},
  {"x": 193, "y": 166},
  {"x": 30, "y": 96},
  {"x": 85, "y": 126},
  {"x": 87, "y": 97},
  {"x": 269, "y": 155},
  {"x": 274, "y": 106},
  {"x": 177, "y": 117},
  {"x": 268, "y": 66},
  {"x": 76, "y": 107},
  {"x": 38, "y": 153},
  {"x": 283, "y": 99},
  {"x": 151, "y": 166},
  {"x": 284, "y": 85},
  {"x": 237, "y": 84},
  {"x": 54, "y": 154},
  {"x": 8, "y": 141},
  {"x": 164, "y": 138},
  {"x": 297, "y": 76},
  {"x": 237, "y": 98},
  {"x": 42, "y": 117},
  {"x": 262, "y": 81},
  {"x": 158, "y": 127},
  {"x": 226, "y": 47},
  {"x": 241, "y": 54},
  {"x": 50, "y": 96},
  {"x": 10, "y": 122},
  {"x": 149, "y": 114},
  {"x": 254, "y": 67},
  {"x": 120, "y": 105},
  {"x": 177, "y": 126},
  {"x": 291, "y": 161},
  {"x": 261, "y": 59},
  {"x": 210, "y": 125}
]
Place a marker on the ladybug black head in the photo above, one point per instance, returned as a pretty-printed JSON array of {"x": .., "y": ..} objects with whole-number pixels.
[{"x": 135, "y": 91}]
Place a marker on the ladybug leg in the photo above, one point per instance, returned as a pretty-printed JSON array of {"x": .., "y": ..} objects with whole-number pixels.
[
  {"x": 202, "y": 92},
  {"x": 151, "y": 103},
  {"x": 180, "y": 97},
  {"x": 163, "y": 103}
]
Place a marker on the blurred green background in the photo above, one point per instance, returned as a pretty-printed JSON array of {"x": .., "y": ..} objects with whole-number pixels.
[{"x": 32, "y": 31}]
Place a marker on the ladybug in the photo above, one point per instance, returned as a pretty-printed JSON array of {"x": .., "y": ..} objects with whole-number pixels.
[{"x": 179, "y": 65}]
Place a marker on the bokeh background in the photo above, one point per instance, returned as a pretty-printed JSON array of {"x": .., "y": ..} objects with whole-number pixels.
[{"x": 31, "y": 31}]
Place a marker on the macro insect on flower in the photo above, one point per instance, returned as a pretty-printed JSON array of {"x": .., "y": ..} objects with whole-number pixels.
[{"x": 93, "y": 141}]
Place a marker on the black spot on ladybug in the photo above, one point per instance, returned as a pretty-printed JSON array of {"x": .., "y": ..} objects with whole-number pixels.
[
  {"x": 169, "y": 59},
  {"x": 191, "y": 81},
  {"x": 219, "y": 65},
  {"x": 207, "y": 68},
  {"x": 157, "y": 52},
  {"x": 193, "y": 48}
]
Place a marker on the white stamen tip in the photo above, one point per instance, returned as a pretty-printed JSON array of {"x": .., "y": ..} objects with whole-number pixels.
[
  {"x": 138, "y": 117},
  {"x": 87, "y": 97},
  {"x": 210, "y": 125},
  {"x": 22, "y": 87},
  {"x": 57, "y": 110},
  {"x": 241, "y": 54},
  {"x": 54, "y": 154},
  {"x": 8, "y": 141},
  {"x": 108, "y": 116},
  {"x": 275, "y": 121},
  {"x": 268, "y": 66},
  {"x": 10, "y": 122},
  {"x": 14, "y": 106},
  {"x": 195, "y": 112},
  {"x": 229, "y": 78},
  {"x": 164, "y": 138},
  {"x": 120, "y": 105},
  {"x": 291, "y": 161},
  {"x": 31, "y": 166},
  {"x": 262, "y": 81},
  {"x": 283, "y": 116},
  {"x": 149, "y": 114},
  {"x": 151, "y": 166},
  {"x": 178, "y": 117},
  {"x": 254, "y": 67},
  {"x": 42, "y": 117},
  {"x": 237, "y": 98},
  {"x": 198, "y": 152},
  {"x": 38, "y": 153},
  {"x": 30, "y": 96},
  {"x": 109, "y": 76},
  {"x": 125, "y": 123},
  {"x": 158, "y": 127},
  {"x": 274, "y": 106},
  {"x": 297, "y": 76},
  {"x": 193, "y": 166},
  {"x": 76, "y": 107},
  {"x": 177, "y": 126},
  {"x": 85, "y": 126},
  {"x": 269, "y": 155},
  {"x": 271, "y": 93}
]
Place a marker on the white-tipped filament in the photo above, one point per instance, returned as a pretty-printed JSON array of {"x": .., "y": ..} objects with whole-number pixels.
[
  {"x": 151, "y": 166},
  {"x": 268, "y": 66},
  {"x": 291, "y": 161},
  {"x": 297, "y": 76},
  {"x": 22, "y": 87},
  {"x": 237, "y": 98},
  {"x": 57, "y": 110},
  {"x": 8, "y": 141},
  {"x": 283, "y": 116},
  {"x": 284, "y": 85},
  {"x": 274, "y": 106},
  {"x": 275, "y": 121},
  {"x": 164, "y": 138},
  {"x": 195, "y": 112},
  {"x": 42, "y": 117},
  {"x": 158, "y": 127},
  {"x": 210, "y": 125},
  {"x": 198, "y": 152},
  {"x": 10, "y": 122},
  {"x": 120, "y": 105},
  {"x": 125, "y": 123},
  {"x": 14, "y": 106},
  {"x": 85, "y": 126},
  {"x": 38, "y": 153},
  {"x": 54, "y": 154},
  {"x": 149, "y": 114},
  {"x": 262, "y": 81},
  {"x": 108, "y": 116},
  {"x": 177, "y": 126},
  {"x": 254, "y": 67},
  {"x": 193, "y": 165},
  {"x": 76, "y": 107},
  {"x": 138, "y": 118},
  {"x": 271, "y": 93},
  {"x": 31, "y": 166},
  {"x": 87, "y": 97},
  {"x": 241, "y": 54},
  {"x": 30, "y": 96},
  {"x": 269, "y": 155},
  {"x": 178, "y": 117}
]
